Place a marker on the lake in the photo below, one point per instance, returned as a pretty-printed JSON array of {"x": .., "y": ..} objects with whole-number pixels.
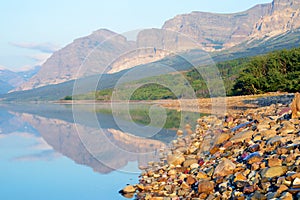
[{"x": 50, "y": 151}]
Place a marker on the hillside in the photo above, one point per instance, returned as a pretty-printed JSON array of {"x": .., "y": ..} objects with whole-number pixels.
[{"x": 112, "y": 52}]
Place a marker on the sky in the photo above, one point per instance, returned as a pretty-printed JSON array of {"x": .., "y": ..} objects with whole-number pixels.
[{"x": 32, "y": 30}]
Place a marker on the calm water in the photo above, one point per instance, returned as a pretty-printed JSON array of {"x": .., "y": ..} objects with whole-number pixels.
[{"x": 56, "y": 152}]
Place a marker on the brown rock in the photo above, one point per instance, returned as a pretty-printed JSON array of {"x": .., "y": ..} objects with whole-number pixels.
[
  {"x": 258, "y": 196},
  {"x": 282, "y": 188},
  {"x": 268, "y": 133},
  {"x": 296, "y": 106},
  {"x": 273, "y": 162},
  {"x": 286, "y": 196},
  {"x": 201, "y": 175},
  {"x": 184, "y": 185},
  {"x": 206, "y": 187},
  {"x": 239, "y": 177},
  {"x": 242, "y": 136},
  {"x": 214, "y": 149},
  {"x": 254, "y": 159},
  {"x": 224, "y": 168},
  {"x": 176, "y": 159},
  {"x": 273, "y": 171},
  {"x": 179, "y": 133},
  {"x": 249, "y": 189},
  {"x": 222, "y": 138},
  {"x": 190, "y": 180},
  {"x": 189, "y": 162},
  {"x": 128, "y": 189},
  {"x": 296, "y": 182}
]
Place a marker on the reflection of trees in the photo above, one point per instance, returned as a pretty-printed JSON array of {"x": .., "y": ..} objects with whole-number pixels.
[{"x": 111, "y": 149}]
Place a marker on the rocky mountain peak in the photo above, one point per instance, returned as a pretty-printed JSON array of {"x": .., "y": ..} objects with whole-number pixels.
[{"x": 212, "y": 32}]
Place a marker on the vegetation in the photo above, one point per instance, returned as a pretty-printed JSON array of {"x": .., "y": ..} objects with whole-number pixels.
[{"x": 276, "y": 71}]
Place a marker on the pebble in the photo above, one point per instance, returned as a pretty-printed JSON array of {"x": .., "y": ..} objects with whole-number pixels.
[{"x": 253, "y": 154}]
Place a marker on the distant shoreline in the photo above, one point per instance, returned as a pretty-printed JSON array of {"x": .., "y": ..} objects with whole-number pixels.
[{"x": 204, "y": 105}]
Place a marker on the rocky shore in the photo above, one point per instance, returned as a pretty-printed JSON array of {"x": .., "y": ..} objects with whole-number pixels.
[{"x": 252, "y": 154}]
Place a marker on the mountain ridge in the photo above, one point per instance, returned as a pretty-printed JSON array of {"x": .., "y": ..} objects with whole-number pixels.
[{"x": 212, "y": 32}]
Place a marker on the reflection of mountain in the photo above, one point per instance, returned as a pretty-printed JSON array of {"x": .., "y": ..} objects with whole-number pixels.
[
  {"x": 9, "y": 123},
  {"x": 110, "y": 149}
]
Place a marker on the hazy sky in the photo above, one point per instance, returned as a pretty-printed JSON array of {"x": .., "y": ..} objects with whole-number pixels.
[{"x": 31, "y": 30}]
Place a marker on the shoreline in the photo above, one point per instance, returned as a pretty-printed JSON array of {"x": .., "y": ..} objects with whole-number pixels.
[
  {"x": 201, "y": 105},
  {"x": 253, "y": 155}
]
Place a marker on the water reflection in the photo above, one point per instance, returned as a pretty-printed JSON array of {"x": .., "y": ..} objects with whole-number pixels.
[{"x": 104, "y": 149}]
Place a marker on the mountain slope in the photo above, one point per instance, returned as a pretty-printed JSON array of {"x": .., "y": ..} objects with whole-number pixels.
[
  {"x": 59, "y": 91},
  {"x": 111, "y": 52},
  {"x": 10, "y": 80}
]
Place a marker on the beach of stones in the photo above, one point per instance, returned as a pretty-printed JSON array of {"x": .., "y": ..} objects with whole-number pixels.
[{"x": 254, "y": 154}]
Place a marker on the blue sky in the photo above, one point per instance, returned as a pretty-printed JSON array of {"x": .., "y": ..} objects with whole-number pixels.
[{"x": 31, "y": 30}]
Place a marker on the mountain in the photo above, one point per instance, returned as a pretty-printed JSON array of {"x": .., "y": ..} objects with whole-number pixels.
[
  {"x": 106, "y": 52},
  {"x": 10, "y": 80}
]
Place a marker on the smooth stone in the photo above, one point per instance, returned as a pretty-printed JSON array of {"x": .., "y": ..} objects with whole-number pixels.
[
  {"x": 273, "y": 171},
  {"x": 194, "y": 166},
  {"x": 248, "y": 189},
  {"x": 190, "y": 180},
  {"x": 224, "y": 168},
  {"x": 296, "y": 182},
  {"x": 286, "y": 196},
  {"x": 282, "y": 188},
  {"x": 172, "y": 172},
  {"x": 276, "y": 139},
  {"x": 176, "y": 159},
  {"x": 254, "y": 148},
  {"x": 201, "y": 175},
  {"x": 273, "y": 162},
  {"x": 268, "y": 133},
  {"x": 239, "y": 177},
  {"x": 128, "y": 189},
  {"x": 242, "y": 136},
  {"x": 189, "y": 162},
  {"x": 222, "y": 138},
  {"x": 206, "y": 187},
  {"x": 258, "y": 196}
]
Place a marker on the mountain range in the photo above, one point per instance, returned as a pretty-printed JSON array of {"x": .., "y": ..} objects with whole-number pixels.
[
  {"x": 10, "y": 80},
  {"x": 263, "y": 28}
]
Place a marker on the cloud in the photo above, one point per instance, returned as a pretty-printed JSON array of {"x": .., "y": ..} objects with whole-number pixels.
[
  {"x": 40, "y": 58},
  {"x": 42, "y": 156},
  {"x": 42, "y": 47}
]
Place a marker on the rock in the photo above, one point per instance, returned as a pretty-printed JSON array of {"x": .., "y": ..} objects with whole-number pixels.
[
  {"x": 206, "y": 187},
  {"x": 242, "y": 136},
  {"x": 239, "y": 177},
  {"x": 201, "y": 175},
  {"x": 184, "y": 185},
  {"x": 194, "y": 166},
  {"x": 258, "y": 196},
  {"x": 254, "y": 148},
  {"x": 128, "y": 189},
  {"x": 295, "y": 107},
  {"x": 190, "y": 180},
  {"x": 222, "y": 138},
  {"x": 224, "y": 168},
  {"x": 296, "y": 182},
  {"x": 248, "y": 189},
  {"x": 273, "y": 171},
  {"x": 189, "y": 162},
  {"x": 172, "y": 172},
  {"x": 286, "y": 196},
  {"x": 282, "y": 188},
  {"x": 268, "y": 133},
  {"x": 275, "y": 140},
  {"x": 179, "y": 133},
  {"x": 273, "y": 162},
  {"x": 176, "y": 159}
]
